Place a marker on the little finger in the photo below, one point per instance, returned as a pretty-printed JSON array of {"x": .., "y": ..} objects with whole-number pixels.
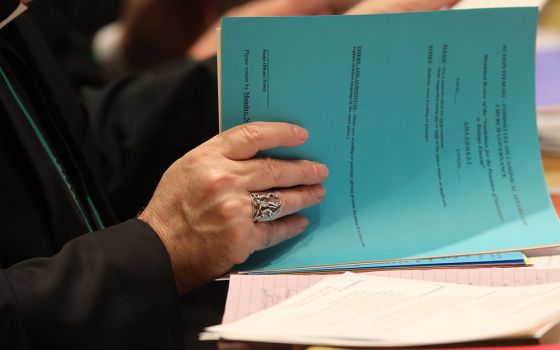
[{"x": 271, "y": 233}]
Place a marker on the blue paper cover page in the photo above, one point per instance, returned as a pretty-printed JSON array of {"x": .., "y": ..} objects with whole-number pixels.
[{"x": 426, "y": 121}]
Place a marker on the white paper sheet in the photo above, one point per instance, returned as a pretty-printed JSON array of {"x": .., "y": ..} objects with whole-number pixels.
[
  {"x": 250, "y": 294},
  {"x": 360, "y": 310}
]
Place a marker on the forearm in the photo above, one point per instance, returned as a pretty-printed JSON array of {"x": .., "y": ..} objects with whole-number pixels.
[{"x": 108, "y": 289}]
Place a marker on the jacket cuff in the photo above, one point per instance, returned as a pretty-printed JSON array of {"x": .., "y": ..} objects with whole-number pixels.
[{"x": 109, "y": 289}]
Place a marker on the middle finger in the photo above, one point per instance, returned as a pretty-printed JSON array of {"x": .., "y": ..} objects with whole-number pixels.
[{"x": 265, "y": 173}]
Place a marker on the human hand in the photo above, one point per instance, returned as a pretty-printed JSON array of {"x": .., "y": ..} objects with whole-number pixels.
[
  {"x": 202, "y": 210},
  {"x": 205, "y": 47},
  {"x": 394, "y": 6},
  {"x": 156, "y": 31}
]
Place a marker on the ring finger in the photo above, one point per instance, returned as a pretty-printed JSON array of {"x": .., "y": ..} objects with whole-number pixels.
[{"x": 298, "y": 198}]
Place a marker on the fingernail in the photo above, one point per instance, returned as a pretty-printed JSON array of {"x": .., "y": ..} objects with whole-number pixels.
[
  {"x": 321, "y": 170},
  {"x": 302, "y": 223},
  {"x": 301, "y": 133},
  {"x": 320, "y": 192}
]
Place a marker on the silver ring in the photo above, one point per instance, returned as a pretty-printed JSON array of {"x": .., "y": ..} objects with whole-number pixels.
[{"x": 266, "y": 206}]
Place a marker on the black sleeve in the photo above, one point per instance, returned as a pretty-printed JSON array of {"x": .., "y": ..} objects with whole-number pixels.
[
  {"x": 143, "y": 123},
  {"x": 111, "y": 289}
]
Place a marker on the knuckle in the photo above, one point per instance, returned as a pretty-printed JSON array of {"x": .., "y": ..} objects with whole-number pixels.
[
  {"x": 252, "y": 132},
  {"x": 310, "y": 170},
  {"x": 217, "y": 182},
  {"x": 228, "y": 210},
  {"x": 317, "y": 170},
  {"x": 307, "y": 169},
  {"x": 196, "y": 155},
  {"x": 274, "y": 168}
]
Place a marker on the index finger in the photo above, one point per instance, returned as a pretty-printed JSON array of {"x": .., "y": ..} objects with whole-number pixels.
[{"x": 244, "y": 141}]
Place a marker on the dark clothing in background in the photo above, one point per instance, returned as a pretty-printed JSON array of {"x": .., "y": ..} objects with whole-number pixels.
[
  {"x": 144, "y": 123},
  {"x": 66, "y": 173},
  {"x": 69, "y": 26}
]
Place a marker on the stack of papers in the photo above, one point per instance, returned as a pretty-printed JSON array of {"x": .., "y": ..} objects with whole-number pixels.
[
  {"x": 359, "y": 310},
  {"x": 250, "y": 294},
  {"x": 491, "y": 259}
]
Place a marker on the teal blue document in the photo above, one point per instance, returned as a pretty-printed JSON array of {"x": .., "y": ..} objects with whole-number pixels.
[
  {"x": 505, "y": 259},
  {"x": 426, "y": 121}
]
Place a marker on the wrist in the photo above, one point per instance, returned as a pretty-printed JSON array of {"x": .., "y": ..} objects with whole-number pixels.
[{"x": 161, "y": 231}]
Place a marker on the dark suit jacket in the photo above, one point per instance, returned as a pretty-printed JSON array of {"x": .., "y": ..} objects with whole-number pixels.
[{"x": 71, "y": 276}]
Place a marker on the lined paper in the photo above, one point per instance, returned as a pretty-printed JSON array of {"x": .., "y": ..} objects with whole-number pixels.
[
  {"x": 359, "y": 310},
  {"x": 251, "y": 293}
]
